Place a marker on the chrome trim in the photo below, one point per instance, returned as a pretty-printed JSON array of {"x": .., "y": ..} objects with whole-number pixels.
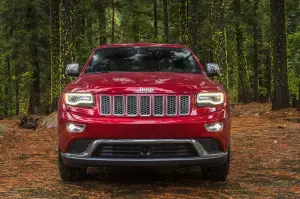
[
  {"x": 124, "y": 108},
  {"x": 137, "y": 106},
  {"x": 176, "y": 105},
  {"x": 101, "y": 113},
  {"x": 163, "y": 105},
  {"x": 152, "y": 104},
  {"x": 198, "y": 147},
  {"x": 189, "y": 104}
]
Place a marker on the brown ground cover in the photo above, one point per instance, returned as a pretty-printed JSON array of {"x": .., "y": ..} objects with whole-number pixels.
[{"x": 265, "y": 164}]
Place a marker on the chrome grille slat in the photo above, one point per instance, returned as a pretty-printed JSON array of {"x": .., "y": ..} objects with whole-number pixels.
[
  {"x": 171, "y": 105},
  {"x": 119, "y": 105},
  {"x": 184, "y": 105},
  {"x": 105, "y": 105},
  {"x": 131, "y": 105},
  {"x": 158, "y": 106},
  {"x": 145, "y": 105}
]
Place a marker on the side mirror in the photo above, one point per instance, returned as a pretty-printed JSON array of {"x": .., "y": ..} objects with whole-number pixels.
[
  {"x": 73, "y": 70},
  {"x": 212, "y": 69}
]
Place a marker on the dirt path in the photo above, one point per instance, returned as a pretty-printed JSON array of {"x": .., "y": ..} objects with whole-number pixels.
[{"x": 265, "y": 164}]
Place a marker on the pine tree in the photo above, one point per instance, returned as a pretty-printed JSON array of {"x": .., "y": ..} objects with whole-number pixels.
[
  {"x": 244, "y": 94},
  {"x": 166, "y": 22},
  {"x": 281, "y": 91},
  {"x": 219, "y": 38}
]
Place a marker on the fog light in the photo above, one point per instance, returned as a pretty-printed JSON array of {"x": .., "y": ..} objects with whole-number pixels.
[
  {"x": 75, "y": 128},
  {"x": 214, "y": 127}
]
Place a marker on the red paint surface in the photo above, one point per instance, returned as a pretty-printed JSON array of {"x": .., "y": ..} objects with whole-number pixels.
[{"x": 112, "y": 127}]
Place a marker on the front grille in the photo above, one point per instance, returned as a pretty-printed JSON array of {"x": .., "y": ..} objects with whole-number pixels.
[
  {"x": 171, "y": 105},
  {"x": 184, "y": 105},
  {"x": 145, "y": 105},
  {"x": 210, "y": 145},
  {"x": 79, "y": 146},
  {"x": 119, "y": 105},
  {"x": 131, "y": 105},
  {"x": 144, "y": 151},
  {"x": 158, "y": 109},
  {"x": 105, "y": 105}
]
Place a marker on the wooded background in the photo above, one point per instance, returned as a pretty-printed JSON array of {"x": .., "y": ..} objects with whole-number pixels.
[{"x": 256, "y": 43}]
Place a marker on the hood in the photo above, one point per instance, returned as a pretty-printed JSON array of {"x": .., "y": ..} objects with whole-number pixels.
[{"x": 131, "y": 82}]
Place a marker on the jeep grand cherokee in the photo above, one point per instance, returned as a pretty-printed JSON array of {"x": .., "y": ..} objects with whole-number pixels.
[{"x": 143, "y": 105}]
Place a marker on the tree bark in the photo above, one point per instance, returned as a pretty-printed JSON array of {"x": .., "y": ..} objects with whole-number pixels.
[
  {"x": 256, "y": 42},
  {"x": 155, "y": 19},
  {"x": 183, "y": 21},
  {"x": 135, "y": 23},
  {"x": 67, "y": 54},
  {"x": 193, "y": 25},
  {"x": 113, "y": 22},
  {"x": 7, "y": 102},
  {"x": 89, "y": 32},
  {"x": 243, "y": 80},
  {"x": 219, "y": 38},
  {"x": 268, "y": 74},
  {"x": 244, "y": 94},
  {"x": 166, "y": 22},
  {"x": 34, "y": 94},
  {"x": 281, "y": 90},
  {"x": 79, "y": 27},
  {"x": 102, "y": 23},
  {"x": 55, "y": 41}
]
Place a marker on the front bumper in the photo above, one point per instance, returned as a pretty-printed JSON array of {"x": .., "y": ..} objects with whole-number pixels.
[
  {"x": 189, "y": 127},
  {"x": 202, "y": 157}
]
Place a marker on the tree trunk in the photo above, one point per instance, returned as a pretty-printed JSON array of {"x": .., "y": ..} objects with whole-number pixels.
[
  {"x": 89, "y": 32},
  {"x": 79, "y": 27},
  {"x": 7, "y": 102},
  {"x": 219, "y": 38},
  {"x": 244, "y": 94},
  {"x": 183, "y": 21},
  {"x": 17, "y": 110},
  {"x": 268, "y": 74},
  {"x": 113, "y": 22},
  {"x": 102, "y": 24},
  {"x": 281, "y": 90},
  {"x": 34, "y": 94},
  {"x": 166, "y": 22},
  {"x": 155, "y": 19},
  {"x": 68, "y": 49},
  {"x": 298, "y": 101},
  {"x": 135, "y": 23},
  {"x": 56, "y": 74},
  {"x": 256, "y": 41},
  {"x": 193, "y": 25}
]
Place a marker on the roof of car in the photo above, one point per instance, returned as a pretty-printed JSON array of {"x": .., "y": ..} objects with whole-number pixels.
[{"x": 141, "y": 45}]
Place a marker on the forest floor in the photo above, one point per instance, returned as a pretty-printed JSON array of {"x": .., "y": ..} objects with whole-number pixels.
[{"x": 265, "y": 164}]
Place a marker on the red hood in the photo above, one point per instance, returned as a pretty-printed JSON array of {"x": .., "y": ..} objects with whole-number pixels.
[{"x": 127, "y": 82}]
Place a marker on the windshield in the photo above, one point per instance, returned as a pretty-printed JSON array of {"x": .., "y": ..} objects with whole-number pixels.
[{"x": 141, "y": 59}]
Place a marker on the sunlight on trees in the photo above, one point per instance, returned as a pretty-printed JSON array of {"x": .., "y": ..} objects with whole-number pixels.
[{"x": 38, "y": 38}]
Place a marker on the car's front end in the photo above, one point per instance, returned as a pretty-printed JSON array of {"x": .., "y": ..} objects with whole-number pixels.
[{"x": 143, "y": 119}]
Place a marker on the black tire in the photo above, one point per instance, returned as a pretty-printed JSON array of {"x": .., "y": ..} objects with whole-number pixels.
[
  {"x": 218, "y": 173},
  {"x": 68, "y": 173}
]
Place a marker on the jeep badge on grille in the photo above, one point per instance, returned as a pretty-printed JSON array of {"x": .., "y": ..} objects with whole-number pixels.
[{"x": 145, "y": 90}]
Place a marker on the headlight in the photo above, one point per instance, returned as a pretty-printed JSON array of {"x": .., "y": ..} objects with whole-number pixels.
[
  {"x": 214, "y": 127},
  {"x": 79, "y": 99},
  {"x": 208, "y": 99}
]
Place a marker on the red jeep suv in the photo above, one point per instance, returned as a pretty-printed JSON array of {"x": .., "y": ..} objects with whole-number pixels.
[{"x": 143, "y": 105}]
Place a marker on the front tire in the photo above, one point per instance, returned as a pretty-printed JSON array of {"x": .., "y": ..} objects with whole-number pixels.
[
  {"x": 218, "y": 173},
  {"x": 68, "y": 173}
]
